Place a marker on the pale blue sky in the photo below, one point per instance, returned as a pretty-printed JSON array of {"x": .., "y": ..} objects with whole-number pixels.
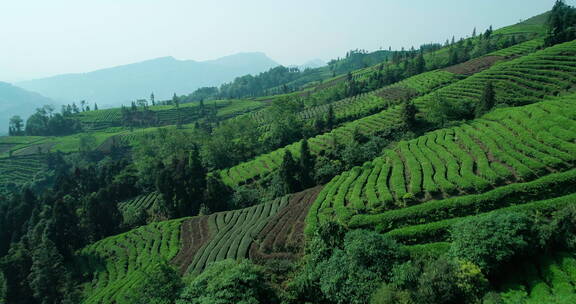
[{"x": 41, "y": 38}]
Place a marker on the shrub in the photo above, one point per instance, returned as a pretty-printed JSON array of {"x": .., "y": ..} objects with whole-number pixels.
[
  {"x": 492, "y": 239},
  {"x": 351, "y": 274},
  {"x": 564, "y": 227},
  {"x": 433, "y": 280},
  {"x": 161, "y": 285},
  {"x": 228, "y": 281}
]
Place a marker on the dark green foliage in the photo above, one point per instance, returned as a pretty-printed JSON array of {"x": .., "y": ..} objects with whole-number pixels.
[
  {"x": 563, "y": 228},
  {"x": 47, "y": 273},
  {"x": 288, "y": 174},
  {"x": 285, "y": 127},
  {"x": 44, "y": 122},
  {"x": 16, "y": 126},
  {"x": 487, "y": 100},
  {"x": 491, "y": 240},
  {"x": 561, "y": 24},
  {"x": 441, "y": 111},
  {"x": 330, "y": 118},
  {"x": 182, "y": 185},
  {"x": 306, "y": 165},
  {"x": 161, "y": 285},
  {"x": 345, "y": 269},
  {"x": 408, "y": 113},
  {"x": 16, "y": 266},
  {"x": 433, "y": 280},
  {"x": 217, "y": 194},
  {"x": 229, "y": 281},
  {"x": 3, "y": 288}
]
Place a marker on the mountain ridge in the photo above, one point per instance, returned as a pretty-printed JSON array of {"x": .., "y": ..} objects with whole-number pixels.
[{"x": 163, "y": 76}]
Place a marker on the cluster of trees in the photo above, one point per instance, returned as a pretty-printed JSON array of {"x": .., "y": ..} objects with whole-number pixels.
[
  {"x": 442, "y": 112},
  {"x": 249, "y": 85},
  {"x": 40, "y": 232},
  {"x": 561, "y": 24},
  {"x": 45, "y": 123}
]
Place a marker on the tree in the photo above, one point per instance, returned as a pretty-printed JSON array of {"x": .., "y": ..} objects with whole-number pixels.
[
  {"x": 16, "y": 124},
  {"x": 438, "y": 111},
  {"x": 330, "y": 118},
  {"x": 47, "y": 274},
  {"x": 217, "y": 194},
  {"x": 420, "y": 64},
  {"x": 561, "y": 24},
  {"x": 87, "y": 143},
  {"x": 288, "y": 174},
  {"x": 3, "y": 288},
  {"x": 82, "y": 103},
  {"x": 474, "y": 33},
  {"x": 152, "y": 99},
  {"x": 95, "y": 107},
  {"x": 349, "y": 271},
  {"x": 175, "y": 100},
  {"x": 161, "y": 285},
  {"x": 487, "y": 100},
  {"x": 408, "y": 115},
  {"x": 306, "y": 165},
  {"x": 491, "y": 240},
  {"x": 229, "y": 281}
]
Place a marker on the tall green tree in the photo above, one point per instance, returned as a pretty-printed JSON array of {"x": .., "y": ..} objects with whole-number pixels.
[
  {"x": 561, "y": 24},
  {"x": 306, "y": 165},
  {"x": 3, "y": 288},
  {"x": 288, "y": 174},
  {"x": 438, "y": 111},
  {"x": 47, "y": 274},
  {"x": 217, "y": 194},
  {"x": 408, "y": 115},
  {"x": 161, "y": 285},
  {"x": 16, "y": 125},
  {"x": 330, "y": 118},
  {"x": 487, "y": 100},
  {"x": 229, "y": 281},
  {"x": 491, "y": 240}
]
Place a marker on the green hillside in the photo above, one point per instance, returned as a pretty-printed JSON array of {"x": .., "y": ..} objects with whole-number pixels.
[{"x": 437, "y": 175}]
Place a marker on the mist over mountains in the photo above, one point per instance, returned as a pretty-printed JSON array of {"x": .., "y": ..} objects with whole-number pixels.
[
  {"x": 163, "y": 76},
  {"x": 17, "y": 101}
]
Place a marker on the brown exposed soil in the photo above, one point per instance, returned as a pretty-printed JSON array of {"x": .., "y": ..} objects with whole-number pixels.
[
  {"x": 474, "y": 66},
  {"x": 193, "y": 235},
  {"x": 283, "y": 236}
]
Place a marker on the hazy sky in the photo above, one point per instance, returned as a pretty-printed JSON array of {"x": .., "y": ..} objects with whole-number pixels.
[{"x": 41, "y": 38}]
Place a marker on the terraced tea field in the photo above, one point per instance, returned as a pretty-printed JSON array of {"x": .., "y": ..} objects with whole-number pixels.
[
  {"x": 19, "y": 170},
  {"x": 117, "y": 263},
  {"x": 272, "y": 230},
  {"x": 521, "y": 81},
  {"x": 168, "y": 115},
  {"x": 230, "y": 235},
  {"x": 560, "y": 69},
  {"x": 267, "y": 163},
  {"x": 512, "y": 155},
  {"x": 283, "y": 236},
  {"x": 132, "y": 209}
]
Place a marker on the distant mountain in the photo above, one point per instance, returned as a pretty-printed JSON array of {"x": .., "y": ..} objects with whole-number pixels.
[
  {"x": 17, "y": 101},
  {"x": 312, "y": 64},
  {"x": 163, "y": 76}
]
